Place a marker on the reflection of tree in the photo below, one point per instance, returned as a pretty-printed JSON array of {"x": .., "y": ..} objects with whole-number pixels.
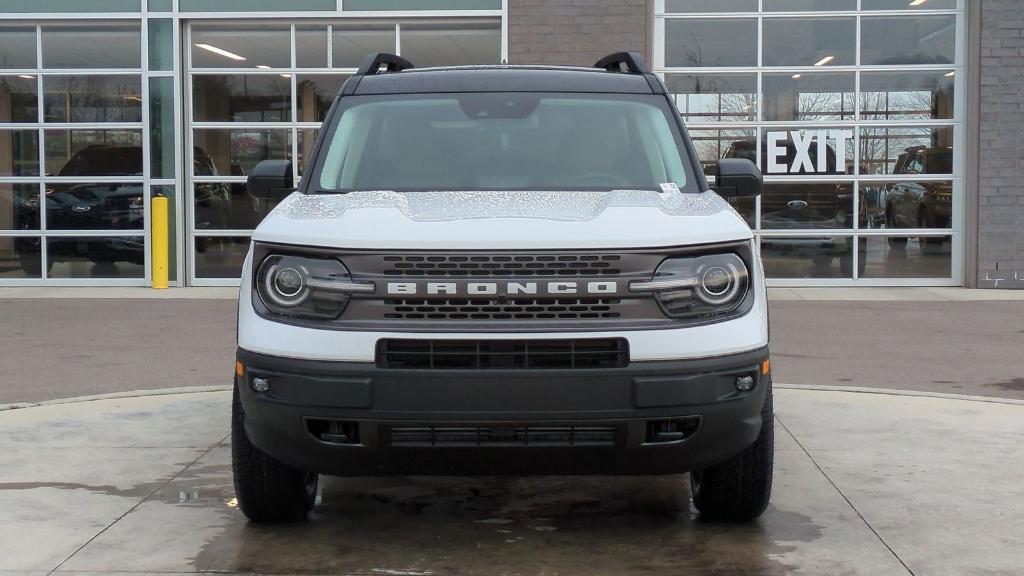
[
  {"x": 94, "y": 99},
  {"x": 881, "y": 147}
]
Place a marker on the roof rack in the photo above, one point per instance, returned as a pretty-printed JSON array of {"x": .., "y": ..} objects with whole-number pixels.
[
  {"x": 372, "y": 63},
  {"x": 613, "y": 63}
]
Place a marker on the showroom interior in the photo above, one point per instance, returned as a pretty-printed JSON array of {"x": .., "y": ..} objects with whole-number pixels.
[{"x": 856, "y": 111}]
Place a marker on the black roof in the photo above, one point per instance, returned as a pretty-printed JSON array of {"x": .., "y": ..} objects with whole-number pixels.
[{"x": 621, "y": 73}]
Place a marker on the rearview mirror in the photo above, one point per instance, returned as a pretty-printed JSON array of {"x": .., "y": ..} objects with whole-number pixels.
[
  {"x": 737, "y": 178},
  {"x": 271, "y": 180}
]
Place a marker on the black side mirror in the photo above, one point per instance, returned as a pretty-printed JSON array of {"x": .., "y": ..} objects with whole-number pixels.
[
  {"x": 271, "y": 180},
  {"x": 737, "y": 178}
]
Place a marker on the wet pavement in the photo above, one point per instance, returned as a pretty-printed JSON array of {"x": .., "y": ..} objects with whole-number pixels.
[{"x": 867, "y": 484}]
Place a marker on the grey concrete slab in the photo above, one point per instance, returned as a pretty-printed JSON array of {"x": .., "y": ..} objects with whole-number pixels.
[
  {"x": 490, "y": 526},
  {"x": 68, "y": 472},
  {"x": 937, "y": 478},
  {"x": 185, "y": 420},
  {"x": 41, "y": 527},
  {"x": 865, "y": 484}
]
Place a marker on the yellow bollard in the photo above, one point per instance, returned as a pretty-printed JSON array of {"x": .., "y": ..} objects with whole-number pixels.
[{"x": 160, "y": 205}]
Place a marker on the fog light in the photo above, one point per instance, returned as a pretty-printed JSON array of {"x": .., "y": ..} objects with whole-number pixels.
[
  {"x": 743, "y": 383},
  {"x": 262, "y": 385}
]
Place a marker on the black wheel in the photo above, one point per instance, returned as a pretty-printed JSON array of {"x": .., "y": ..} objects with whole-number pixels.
[
  {"x": 267, "y": 490},
  {"x": 926, "y": 244},
  {"x": 890, "y": 223},
  {"x": 739, "y": 488}
]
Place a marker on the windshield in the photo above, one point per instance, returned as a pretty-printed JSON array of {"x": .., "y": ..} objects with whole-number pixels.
[{"x": 504, "y": 141}]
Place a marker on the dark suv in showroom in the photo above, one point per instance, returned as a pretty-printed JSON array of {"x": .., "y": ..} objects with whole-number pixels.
[{"x": 922, "y": 205}]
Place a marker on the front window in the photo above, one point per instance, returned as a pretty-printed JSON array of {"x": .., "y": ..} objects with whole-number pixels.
[{"x": 504, "y": 141}]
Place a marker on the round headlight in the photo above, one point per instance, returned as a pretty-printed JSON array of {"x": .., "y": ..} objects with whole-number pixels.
[
  {"x": 719, "y": 283},
  {"x": 288, "y": 282},
  {"x": 286, "y": 286},
  {"x": 716, "y": 281}
]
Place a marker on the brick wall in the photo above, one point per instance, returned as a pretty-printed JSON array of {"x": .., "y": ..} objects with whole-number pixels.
[
  {"x": 575, "y": 31},
  {"x": 1001, "y": 190}
]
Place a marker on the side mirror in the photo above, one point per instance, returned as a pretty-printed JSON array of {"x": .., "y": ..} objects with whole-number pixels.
[
  {"x": 737, "y": 178},
  {"x": 271, "y": 180}
]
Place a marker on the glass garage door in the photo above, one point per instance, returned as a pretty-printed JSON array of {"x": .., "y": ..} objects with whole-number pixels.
[
  {"x": 260, "y": 91},
  {"x": 851, "y": 108},
  {"x": 72, "y": 200}
]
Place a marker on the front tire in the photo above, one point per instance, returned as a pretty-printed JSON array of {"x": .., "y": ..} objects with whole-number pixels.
[
  {"x": 267, "y": 489},
  {"x": 739, "y": 489}
]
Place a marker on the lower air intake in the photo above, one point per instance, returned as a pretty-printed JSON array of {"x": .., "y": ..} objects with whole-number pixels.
[
  {"x": 502, "y": 354},
  {"x": 456, "y": 436}
]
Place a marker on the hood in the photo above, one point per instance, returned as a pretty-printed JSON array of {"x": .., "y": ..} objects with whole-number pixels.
[{"x": 388, "y": 220}]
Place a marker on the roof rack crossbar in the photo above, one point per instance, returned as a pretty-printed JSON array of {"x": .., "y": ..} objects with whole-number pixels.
[
  {"x": 613, "y": 63},
  {"x": 372, "y": 62}
]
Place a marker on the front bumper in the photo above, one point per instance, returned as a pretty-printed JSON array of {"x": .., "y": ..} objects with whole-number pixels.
[{"x": 376, "y": 407}]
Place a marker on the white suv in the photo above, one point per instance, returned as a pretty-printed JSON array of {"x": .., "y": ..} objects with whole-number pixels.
[{"x": 502, "y": 270}]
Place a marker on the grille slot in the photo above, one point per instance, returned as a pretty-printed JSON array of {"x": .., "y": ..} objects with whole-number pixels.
[
  {"x": 482, "y": 265},
  {"x": 471, "y": 309},
  {"x": 455, "y": 436},
  {"x": 502, "y": 354}
]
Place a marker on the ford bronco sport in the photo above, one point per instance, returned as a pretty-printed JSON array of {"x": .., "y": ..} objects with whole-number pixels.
[{"x": 502, "y": 270}]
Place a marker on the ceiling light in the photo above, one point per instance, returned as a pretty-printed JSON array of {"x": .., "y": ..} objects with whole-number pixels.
[
  {"x": 133, "y": 98},
  {"x": 918, "y": 2},
  {"x": 27, "y": 76},
  {"x": 220, "y": 51},
  {"x": 263, "y": 66},
  {"x": 824, "y": 60},
  {"x": 796, "y": 76},
  {"x": 951, "y": 74},
  {"x": 286, "y": 75}
]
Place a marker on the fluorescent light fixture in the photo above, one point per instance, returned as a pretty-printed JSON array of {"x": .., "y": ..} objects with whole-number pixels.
[
  {"x": 918, "y": 2},
  {"x": 27, "y": 76},
  {"x": 951, "y": 74},
  {"x": 286, "y": 75},
  {"x": 220, "y": 51},
  {"x": 824, "y": 60},
  {"x": 133, "y": 98},
  {"x": 797, "y": 76},
  {"x": 263, "y": 66}
]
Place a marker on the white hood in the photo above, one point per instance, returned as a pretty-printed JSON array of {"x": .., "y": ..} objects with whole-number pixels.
[{"x": 502, "y": 220}]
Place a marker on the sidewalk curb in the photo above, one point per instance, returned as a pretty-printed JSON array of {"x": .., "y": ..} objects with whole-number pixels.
[
  {"x": 895, "y": 392},
  {"x": 806, "y": 387},
  {"x": 115, "y": 396}
]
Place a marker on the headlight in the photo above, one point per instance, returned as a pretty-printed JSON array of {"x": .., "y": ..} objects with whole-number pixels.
[
  {"x": 305, "y": 287},
  {"x": 698, "y": 287}
]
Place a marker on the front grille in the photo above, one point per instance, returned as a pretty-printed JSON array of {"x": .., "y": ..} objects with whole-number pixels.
[
  {"x": 420, "y": 436},
  {"x": 535, "y": 309},
  {"x": 502, "y": 354},
  {"x": 481, "y": 265}
]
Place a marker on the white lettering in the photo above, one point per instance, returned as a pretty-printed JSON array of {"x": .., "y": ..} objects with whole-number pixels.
[
  {"x": 401, "y": 288},
  {"x": 442, "y": 287},
  {"x": 776, "y": 149},
  {"x": 482, "y": 288},
  {"x": 822, "y": 151},
  {"x": 802, "y": 160},
  {"x": 562, "y": 287},
  {"x": 517, "y": 288},
  {"x": 602, "y": 287},
  {"x": 841, "y": 136}
]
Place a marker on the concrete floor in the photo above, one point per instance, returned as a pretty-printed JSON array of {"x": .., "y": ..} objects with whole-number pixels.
[{"x": 867, "y": 484}]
